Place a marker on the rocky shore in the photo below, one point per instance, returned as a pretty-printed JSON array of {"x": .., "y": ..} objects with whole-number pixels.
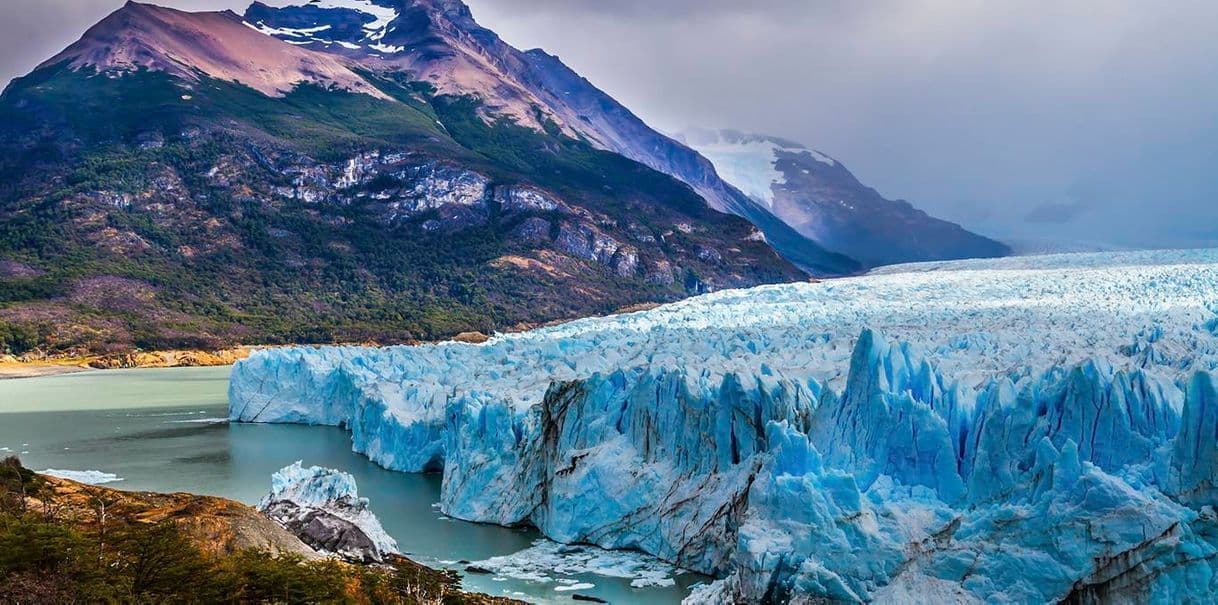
[
  {"x": 65, "y": 541},
  {"x": 30, "y": 366}
]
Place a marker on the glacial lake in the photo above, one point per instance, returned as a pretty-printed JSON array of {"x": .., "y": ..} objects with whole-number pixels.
[{"x": 164, "y": 430}]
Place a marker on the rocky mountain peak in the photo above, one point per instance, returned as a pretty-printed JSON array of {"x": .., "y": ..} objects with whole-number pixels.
[{"x": 139, "y": 37}]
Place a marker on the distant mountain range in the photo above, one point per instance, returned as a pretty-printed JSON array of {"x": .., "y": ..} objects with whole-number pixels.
[
  {"x": 364, "y": 170},
  {"x": 817, "y": 196}
]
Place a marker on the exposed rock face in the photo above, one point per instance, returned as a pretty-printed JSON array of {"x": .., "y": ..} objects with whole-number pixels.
[
  {"x": 587, "y": 242},
  {"x": 217, "y": 525},
  {"x": 660, "y": 273},
  {"x": 325, "y": 531},
  {"x": 323, "y": 508},
  {"x": 433, "y": 186},
  {"x": 626, "y": 261},
  {"x": 533, "y": 230},
  {"x": 525, "y": 199}
]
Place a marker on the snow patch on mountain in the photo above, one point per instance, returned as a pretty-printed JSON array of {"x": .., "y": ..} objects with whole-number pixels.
[
  {"x": 747, "y": 165},
  {"x": 749, "y": 162}
]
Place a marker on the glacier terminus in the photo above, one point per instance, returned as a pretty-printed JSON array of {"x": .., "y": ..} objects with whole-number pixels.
[{"x": 1021, "y": 430}]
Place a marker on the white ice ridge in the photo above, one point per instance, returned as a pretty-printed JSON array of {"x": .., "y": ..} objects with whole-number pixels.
[
  {"x": 86, "y": 477},
  {"x": 1020, "y": 430},
  {"x": 548, "y": 561}
]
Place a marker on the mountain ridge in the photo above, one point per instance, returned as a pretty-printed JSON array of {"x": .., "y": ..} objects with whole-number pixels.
[
  {"x": 821, "y": 199},
  {"x": 447, "y": 48},
  {"x": 146, "y": 208}
]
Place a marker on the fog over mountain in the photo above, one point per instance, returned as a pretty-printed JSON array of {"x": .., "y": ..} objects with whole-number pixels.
[{"x": 1087, "y": 123}]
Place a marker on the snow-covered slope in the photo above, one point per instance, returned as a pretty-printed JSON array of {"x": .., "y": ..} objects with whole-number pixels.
[
  {"x": 819, "y": 197},
  {"x": 1020, "y": 430},
  {"x": 750, "y": 162}
]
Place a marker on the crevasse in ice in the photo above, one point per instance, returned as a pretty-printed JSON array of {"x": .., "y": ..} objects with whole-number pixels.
[{"x": 1023, "y": 430}]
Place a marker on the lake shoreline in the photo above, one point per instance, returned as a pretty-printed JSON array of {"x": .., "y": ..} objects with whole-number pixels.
[
  {"x": 215, "y": 537},
  {"x": 166, "y": 431},
  {"x": 16, "y": 368}
]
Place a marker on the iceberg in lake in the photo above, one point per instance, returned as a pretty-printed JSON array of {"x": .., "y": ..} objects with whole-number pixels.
[
  {"x": 86, "y": 477},
  {"x": 322, "y": 507},
  {"x": 1019, "y": 430}
]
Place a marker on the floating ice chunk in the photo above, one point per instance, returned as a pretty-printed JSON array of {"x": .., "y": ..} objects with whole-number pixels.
[
  {"x": 86, "y": 477},
  {"x": 322, "y": 506},
  {"x": 546, "y": 559},
  {"x": 576, "y": 586}
]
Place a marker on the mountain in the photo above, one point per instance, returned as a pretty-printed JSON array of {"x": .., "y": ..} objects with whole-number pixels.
[
  {"x": 820, "y": 198},
  {"x": 183, "y": 180},
  {"x": 439, "y": 42},
  {"x": 191, "y": 46}
]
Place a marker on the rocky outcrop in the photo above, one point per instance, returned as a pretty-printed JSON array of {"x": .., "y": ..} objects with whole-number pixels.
[
  {"x": 170, "y": 359},
  {"x": 586, "y": 242},
  {"x": 533, "y": 230},
  {"x": 527, "y": 199},
  {"x": 216, "y": 525}
]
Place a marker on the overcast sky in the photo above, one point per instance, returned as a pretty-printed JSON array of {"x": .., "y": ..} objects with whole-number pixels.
[{"x": 1086, "y": 120}]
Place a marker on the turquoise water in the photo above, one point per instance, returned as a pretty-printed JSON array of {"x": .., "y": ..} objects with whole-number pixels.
[{"x": 163, "y": 430}]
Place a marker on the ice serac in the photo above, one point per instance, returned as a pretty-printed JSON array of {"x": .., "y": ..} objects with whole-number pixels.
[
  {"x": 1014, "y": 430},
  {"x": 323, "y": 508}
]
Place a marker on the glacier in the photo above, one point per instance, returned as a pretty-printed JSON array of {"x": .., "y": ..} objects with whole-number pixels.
[{"x": 1018, "y": 430}]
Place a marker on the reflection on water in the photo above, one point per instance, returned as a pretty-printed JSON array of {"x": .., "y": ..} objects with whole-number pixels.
[{"x": 156, "y": 429}]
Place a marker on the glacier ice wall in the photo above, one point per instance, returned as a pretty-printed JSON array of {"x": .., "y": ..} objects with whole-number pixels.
[{"x": 1027, "y": 430}]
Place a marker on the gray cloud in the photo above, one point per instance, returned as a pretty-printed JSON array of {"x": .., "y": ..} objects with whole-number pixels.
[{"x": 976, "y": 111}]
